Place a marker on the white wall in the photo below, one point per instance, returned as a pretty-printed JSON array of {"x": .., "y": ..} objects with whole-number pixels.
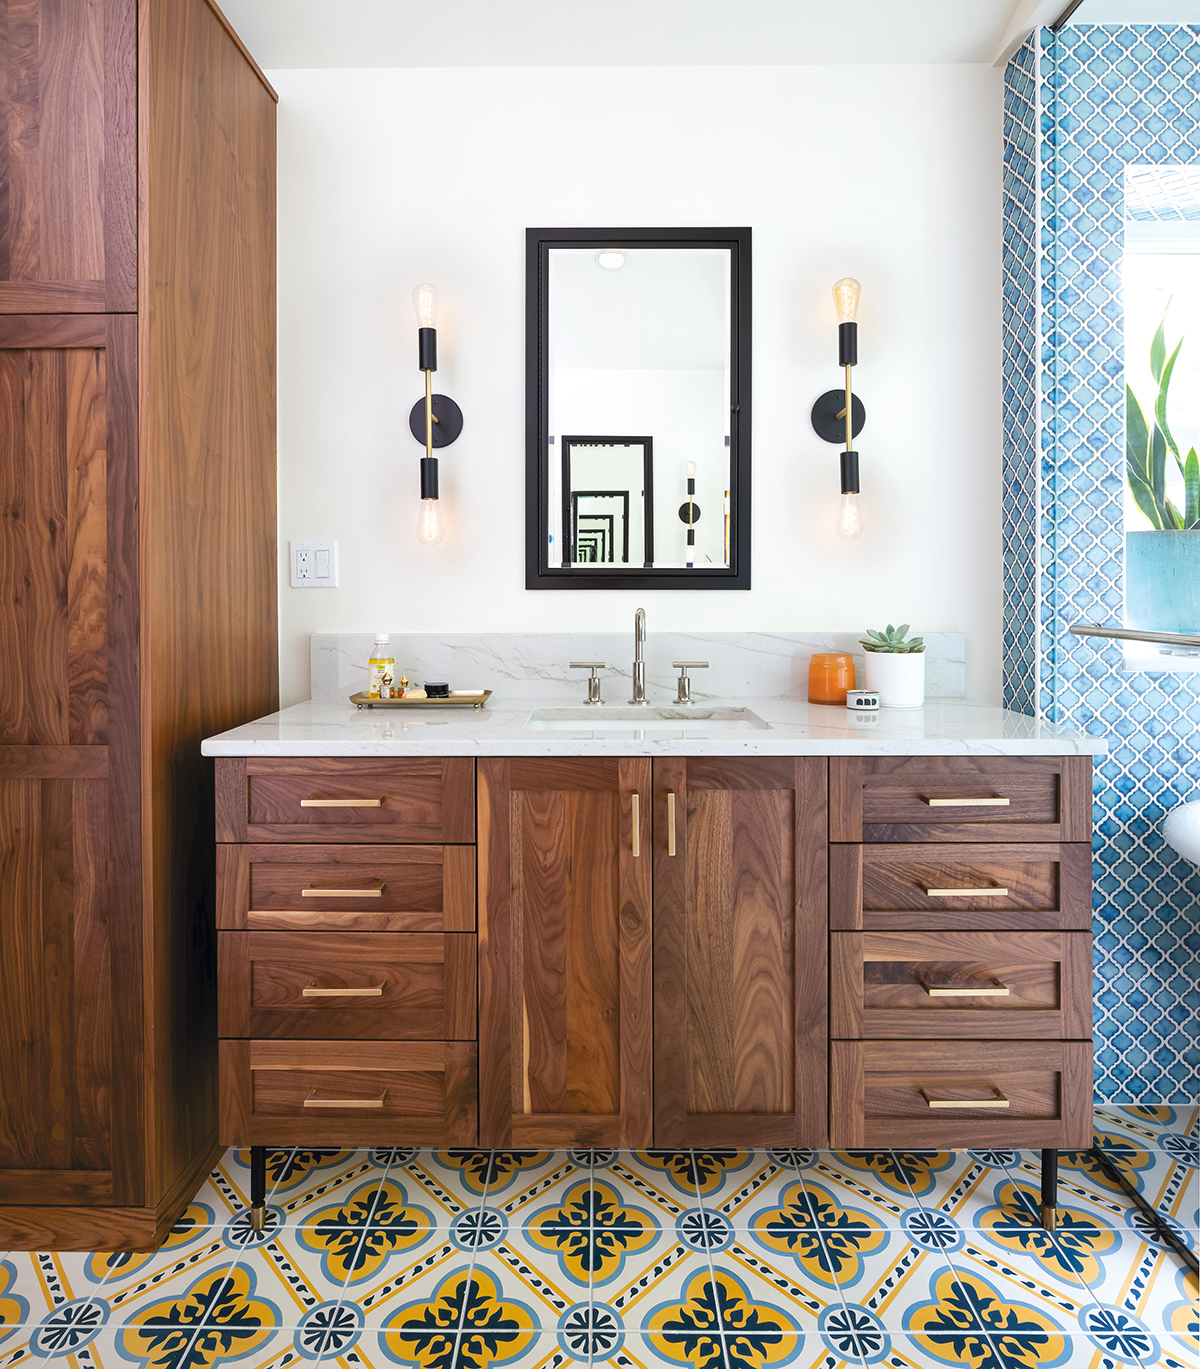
[{"x": 891, "y": 174}]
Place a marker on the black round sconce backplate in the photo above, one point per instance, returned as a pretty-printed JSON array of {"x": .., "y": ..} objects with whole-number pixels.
[
  {"x": 826, "y": 422},
  {"x": 447, "y": 427},
  {"x": 689, "y": 512}
]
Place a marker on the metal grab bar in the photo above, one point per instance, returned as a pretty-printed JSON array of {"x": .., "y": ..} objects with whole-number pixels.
[{"x": 1128, "y": 634}]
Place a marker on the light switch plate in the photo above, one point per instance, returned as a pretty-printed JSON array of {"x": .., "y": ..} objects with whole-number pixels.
[{"x": 313, "y": 564}]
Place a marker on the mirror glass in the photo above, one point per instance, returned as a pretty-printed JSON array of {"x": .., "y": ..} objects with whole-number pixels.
[{"x": 640, "y": 421}]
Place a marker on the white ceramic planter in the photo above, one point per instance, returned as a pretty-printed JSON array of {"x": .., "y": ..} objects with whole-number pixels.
[{"x": 897, "y": 676}]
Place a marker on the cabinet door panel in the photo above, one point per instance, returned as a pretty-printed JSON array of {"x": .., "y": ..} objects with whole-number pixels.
[
  {"x": 68, "y": 156},
  {"x": 565, "y": 952},
  {"x": 740, "y": 951},
  {"x": 69, "y": 906}
]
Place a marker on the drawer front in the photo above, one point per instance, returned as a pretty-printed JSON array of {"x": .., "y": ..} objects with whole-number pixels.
[
  {"x": 346, "y": 888},
  {"x": 331, "y": 1093},
  {"x": 961, "y": 798},
  {"x": 952, "y": 1094},
  {"x": 1022, "y": 985},
  {"x": 347, "y": 799},
  {"x": 347, "y": 985},
  {"x": 955, "y": 887}
]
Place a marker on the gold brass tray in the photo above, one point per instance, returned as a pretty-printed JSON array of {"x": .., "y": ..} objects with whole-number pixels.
[{"x": 459, "y": 698}]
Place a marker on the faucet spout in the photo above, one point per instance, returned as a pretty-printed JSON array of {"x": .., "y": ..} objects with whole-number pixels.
[{"x": 639, "y": 663}]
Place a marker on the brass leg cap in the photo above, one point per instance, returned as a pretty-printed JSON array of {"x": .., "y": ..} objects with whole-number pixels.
[
  {"x": 1049, "y": 1217},
  {"x": 258, "y": 1218}
]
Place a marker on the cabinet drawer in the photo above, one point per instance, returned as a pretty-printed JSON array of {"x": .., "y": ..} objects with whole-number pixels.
[
  {"x": 952, "y": 1094},
  {"x": 960, "y": 798},
  {"x": 346, "y": 799},
  {"x": 346, "y": 888},
  {"x": 346, "y": 985},
  {"x": 1026, "y": 985},
  {"x": 950, "y": 887},
  {"x": 335, "y": 1093}
]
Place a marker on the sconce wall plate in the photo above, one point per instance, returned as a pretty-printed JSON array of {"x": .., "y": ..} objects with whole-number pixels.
[
  {"x": 825, "y": 416},
  {"x": 448, "y": 421}
]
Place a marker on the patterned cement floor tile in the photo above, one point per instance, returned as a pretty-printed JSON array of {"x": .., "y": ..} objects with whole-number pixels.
[
  {"x": 502, "y": 1174},
  {"x": 1148, "y": 1122},
  {"x": 695, "y": 1176},
  {"x": 640, "y": 1350},
  {"x": 646, "y": 1187},
  {"x": 1146, "y": 1281}
]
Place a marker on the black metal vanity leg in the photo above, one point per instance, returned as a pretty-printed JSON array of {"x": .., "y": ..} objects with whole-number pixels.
[
  {"x": 258, "y": 1187},
  {"x": 1049, "y": 1189}
]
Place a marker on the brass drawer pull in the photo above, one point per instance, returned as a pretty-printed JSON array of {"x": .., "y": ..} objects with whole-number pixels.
[
  {"x": 992, "y": 891},
  {"x": 313, "y": 802},
  {"x": 372, "y": 991},
  {"x": 953, "y": 991},
  {"x": 999, "y": 1101},
  {"x": 373, "y": 890},
  {"x": 312, "y": 1101},
  {"x": 637, "y": 825},
  {"x": 670, "y": 824},
  {"x": 994, "y": 801}
]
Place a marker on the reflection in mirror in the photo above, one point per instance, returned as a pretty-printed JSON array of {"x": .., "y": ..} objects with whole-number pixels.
[{"x": 639, "y": 415}]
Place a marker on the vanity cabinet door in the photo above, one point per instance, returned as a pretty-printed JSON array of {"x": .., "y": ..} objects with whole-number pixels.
[
  {"x": 565, "y": 874},
  {"x": 740, "y": 984}
]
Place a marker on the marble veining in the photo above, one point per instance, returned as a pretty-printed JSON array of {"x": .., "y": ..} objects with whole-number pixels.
[{"x": 742, "y": 665}]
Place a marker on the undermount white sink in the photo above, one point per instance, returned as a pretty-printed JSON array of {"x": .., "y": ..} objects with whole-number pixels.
[{"x": 648, "y": 718}]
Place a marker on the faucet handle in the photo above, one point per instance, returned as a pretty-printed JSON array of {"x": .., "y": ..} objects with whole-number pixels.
[
  {"x": 683, "y": 687},
  {"x": 594, "y": 682}
]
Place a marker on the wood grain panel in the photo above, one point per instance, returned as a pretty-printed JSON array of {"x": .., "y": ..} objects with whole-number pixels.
[
  {"x": 740, "y": 952},
  {"x": 53, "y": 762},
  {"x": 413, "y": 800},
  {"x": 565, "y": 951},
  {"x": 883, "y": 798},
  {"x": 206, "y": 414},
  {"x": 53, "y": 330}
]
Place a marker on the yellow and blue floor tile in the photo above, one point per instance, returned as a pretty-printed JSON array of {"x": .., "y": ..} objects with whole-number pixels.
[{"x": 643, "y": 1260}]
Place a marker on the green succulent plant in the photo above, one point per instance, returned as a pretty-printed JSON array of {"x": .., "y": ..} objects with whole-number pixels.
[
  {"x": 1146, "y": 447},
  {"x": 892, "y": 639}
]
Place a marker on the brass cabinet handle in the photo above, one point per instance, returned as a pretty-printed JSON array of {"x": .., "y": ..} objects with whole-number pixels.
[
  {"x": 371, "y": 991},
  {"x": 992, "y": 891},
  {"x": 670, "y": 824},
  {"x": 637, "y": 825},
  {"x": 312, "y": 1101},
  {"x": 313, "y": 802},
  {"x": 373, "y": 890},
  {"x": 994, "y": 801},
  {"x": 999, "y": 1101},
  {"x": 953, "y": 991}
]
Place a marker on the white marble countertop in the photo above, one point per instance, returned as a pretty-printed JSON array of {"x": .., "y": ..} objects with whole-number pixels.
[{"x": 943, "y": 727}]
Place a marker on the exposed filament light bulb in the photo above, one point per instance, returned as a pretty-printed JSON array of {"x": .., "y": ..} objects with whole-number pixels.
[
  {"x": 430, "y": 528},
  {"x": 845, "y": 299},
  {"x": 848, "y": 524},
  {"x": 426, "y": 298}
]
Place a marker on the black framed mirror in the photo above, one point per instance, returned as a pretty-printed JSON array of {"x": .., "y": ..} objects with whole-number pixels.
[{"x": 637, "y": 408}]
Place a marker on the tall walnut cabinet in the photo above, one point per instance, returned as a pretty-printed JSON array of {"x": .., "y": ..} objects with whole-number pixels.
[{"x": 137, "y": 587}]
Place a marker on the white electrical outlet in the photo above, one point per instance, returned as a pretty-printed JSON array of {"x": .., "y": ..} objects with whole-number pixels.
[{"x": 314, "y": 565}]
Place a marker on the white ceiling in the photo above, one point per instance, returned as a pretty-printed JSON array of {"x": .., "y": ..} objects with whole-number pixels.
[{"x": 434, "y": 33}]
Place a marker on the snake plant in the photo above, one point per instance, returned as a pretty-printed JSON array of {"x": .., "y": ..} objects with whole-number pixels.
[
  {"x": 893, "y": 640},
  {"x": 1146, "y": 448}
]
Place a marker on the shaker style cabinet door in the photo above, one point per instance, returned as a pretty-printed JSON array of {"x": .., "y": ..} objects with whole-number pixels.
[
  {"x": 68, "y": 156},
  {"x": 740, "y": 951},
  {"x": 564, "y": 952},
  {"x": 70, "y": 1069}
]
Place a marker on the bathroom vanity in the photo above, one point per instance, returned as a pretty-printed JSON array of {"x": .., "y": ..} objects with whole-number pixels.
[{"x": 511, "y": 929}]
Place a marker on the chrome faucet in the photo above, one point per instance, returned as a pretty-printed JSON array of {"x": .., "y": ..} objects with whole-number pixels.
[{"x": 639, "y": 664}]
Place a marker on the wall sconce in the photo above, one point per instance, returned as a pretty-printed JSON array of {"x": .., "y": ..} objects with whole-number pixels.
[
  {"x": 689, "y": 513},
  {"x": 840, "y": 414},
  {"x": 435, "y": 420}
]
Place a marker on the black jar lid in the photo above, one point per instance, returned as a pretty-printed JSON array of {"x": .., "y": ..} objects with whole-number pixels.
[{"x": 436, "y": 689}]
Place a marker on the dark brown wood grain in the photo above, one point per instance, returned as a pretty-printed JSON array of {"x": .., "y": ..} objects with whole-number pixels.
[
  {"x": 564, "y": 951},
  {"x": 405, "y": 888},
  {"x": 232, "y": 798},
  {"x": 740, "y": 979},
  {"x": 422, "y": 799},
  {"x": 881, "y": 798},
  {"x": 53, "y": 762},
  {"x": 426, "y": 983}
]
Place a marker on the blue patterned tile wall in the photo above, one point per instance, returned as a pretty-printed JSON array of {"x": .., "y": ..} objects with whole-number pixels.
[{"x": 1080, "y": 107}]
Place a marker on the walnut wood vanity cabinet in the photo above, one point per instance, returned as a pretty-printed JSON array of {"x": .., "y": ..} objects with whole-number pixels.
[{"x": 137, "y": 588}]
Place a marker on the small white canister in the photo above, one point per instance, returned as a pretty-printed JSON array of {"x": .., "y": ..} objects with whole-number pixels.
[
  {"x": 897, "y": 676},
  {"x": 862, "y": 700}
]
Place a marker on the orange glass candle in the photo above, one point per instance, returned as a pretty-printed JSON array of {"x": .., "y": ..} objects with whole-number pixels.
[{"x": 830, "y": 677}]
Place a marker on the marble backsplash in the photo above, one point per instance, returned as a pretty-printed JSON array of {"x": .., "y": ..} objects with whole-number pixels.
[{"x": 742, "y": 665}]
